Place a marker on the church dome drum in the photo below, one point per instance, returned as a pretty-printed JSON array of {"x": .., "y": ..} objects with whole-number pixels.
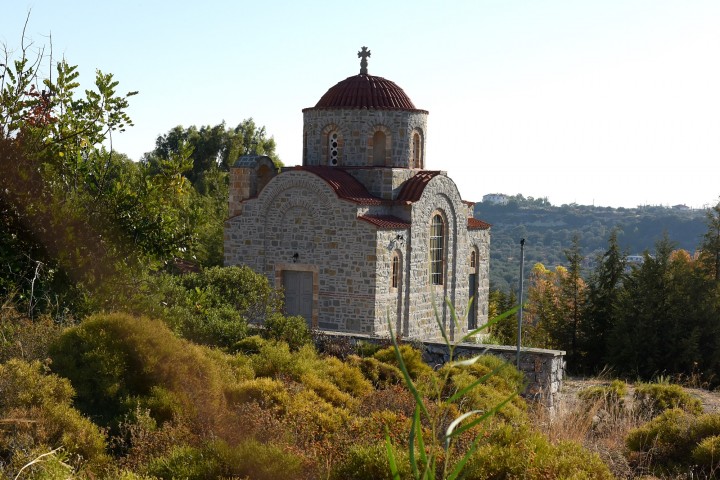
[{"x": 364, "y": 121}]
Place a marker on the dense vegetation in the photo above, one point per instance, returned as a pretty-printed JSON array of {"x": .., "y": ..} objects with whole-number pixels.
[
  {"x": 549, "y": 230},
  {"x": 127, "y": 352}
]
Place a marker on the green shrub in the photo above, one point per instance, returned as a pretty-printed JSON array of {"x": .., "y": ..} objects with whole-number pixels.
[
  {"x": 217, "y": 459},
  {"x": 412, "y": 358},
  {"x": 370, "y": 461},
  {"x": 657, "y": 397},
  {"x": 259, "y": 461},
  {"x": 211, "y": 307},
  {"x": 291, "y": 330},
  {"x": 186, "y": 462},
  {"x": 518, "y": 452},
  {"x": 707, "y": 454},
  {"x": 38, "y": 407},
  {"x": 611, "y": 395},
  {"x": 667, "y": 436},
  {"x": 112, "y": 359},
  {"x": 346, "y": 376},
  {"x": 250, "y": 345}
]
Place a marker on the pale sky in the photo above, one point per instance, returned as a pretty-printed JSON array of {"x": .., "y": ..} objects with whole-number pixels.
[{"x": 605, "y": 102}]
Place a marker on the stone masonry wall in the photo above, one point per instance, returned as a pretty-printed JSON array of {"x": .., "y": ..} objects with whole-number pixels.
[
  {"x": 544, "y": 369},
  {"x": 298, "y": 213},
  {"x": 356, "y": 128}
]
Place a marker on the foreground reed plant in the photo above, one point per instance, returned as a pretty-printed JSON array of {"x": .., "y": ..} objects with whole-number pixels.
[{"x": 431, "y": 453}]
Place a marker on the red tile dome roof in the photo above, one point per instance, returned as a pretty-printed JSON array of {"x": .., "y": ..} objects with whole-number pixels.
[{"x": 366, "y": 91}]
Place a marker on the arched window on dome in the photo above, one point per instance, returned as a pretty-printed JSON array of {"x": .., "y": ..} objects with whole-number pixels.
[
  {"x": 333, "y": 157},
  {"x": 417, "y": 154},
  {"x": 437, "y": 249},
  {"x": 379, "y": 149}
]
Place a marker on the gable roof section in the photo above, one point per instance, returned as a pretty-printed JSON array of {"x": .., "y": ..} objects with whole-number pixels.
[
  {"x": 345, "y": 185},
  {"x": 413, "y": 188},
  {"x": 385, "y": 221},
  {"x": 475, "y": 224}
]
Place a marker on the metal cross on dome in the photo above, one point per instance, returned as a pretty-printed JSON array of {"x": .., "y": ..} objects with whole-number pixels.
[{"x": 363, "y": 54}]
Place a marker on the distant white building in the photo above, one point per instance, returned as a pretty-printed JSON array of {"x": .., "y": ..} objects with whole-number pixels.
[{"x": 496, "y": 198}]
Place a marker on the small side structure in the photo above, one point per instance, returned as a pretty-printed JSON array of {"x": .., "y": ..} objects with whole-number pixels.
[{"x": 361, "y": 232}]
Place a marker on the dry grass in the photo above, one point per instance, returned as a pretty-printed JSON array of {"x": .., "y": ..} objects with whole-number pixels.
[{"x": 599, "y": 424}]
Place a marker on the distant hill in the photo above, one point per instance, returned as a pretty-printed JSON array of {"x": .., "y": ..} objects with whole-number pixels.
[{"x": 548, "y": 231}]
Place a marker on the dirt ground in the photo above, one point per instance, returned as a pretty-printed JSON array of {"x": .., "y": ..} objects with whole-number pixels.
[{"x": 573, "y": 385}]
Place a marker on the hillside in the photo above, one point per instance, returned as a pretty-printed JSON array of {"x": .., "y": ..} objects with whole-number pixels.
[{"x": 548, "y": 230}]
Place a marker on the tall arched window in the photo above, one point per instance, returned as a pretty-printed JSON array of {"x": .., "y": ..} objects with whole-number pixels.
[
  {"x": 416, "y": 151},
  {"x": 437, "y": 249},
  {"x": 395, "y": 271},
  {"x": 333, "y": 148},
  {"x": 379, "y": 148}
]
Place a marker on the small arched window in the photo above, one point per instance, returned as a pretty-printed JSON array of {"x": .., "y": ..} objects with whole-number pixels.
[
  {"x": 473, "y": 261},
  {"x": 437, "y": 249},
  {"x": 395, "y": 271},
  {"x": 379, "y": 148},
  {"x": 333, "y": 148},
  {"x": 416, "y": 151}
]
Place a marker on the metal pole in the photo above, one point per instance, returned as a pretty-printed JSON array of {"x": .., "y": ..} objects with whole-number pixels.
[{"x": 520, "y": 311}]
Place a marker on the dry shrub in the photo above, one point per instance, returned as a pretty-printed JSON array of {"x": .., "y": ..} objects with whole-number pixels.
[
  {"x": 24, "y": 338},
  {"x": 595, "y": 421}
]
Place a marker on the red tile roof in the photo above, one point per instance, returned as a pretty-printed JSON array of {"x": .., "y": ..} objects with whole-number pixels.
[
  {"x": 344, "y": 184},
  {"x": 366, "y": 91},
  {"x": 475, "y": 224},
  {"x": 385, "y": 221},
  {"x": 413, "y": 188}
]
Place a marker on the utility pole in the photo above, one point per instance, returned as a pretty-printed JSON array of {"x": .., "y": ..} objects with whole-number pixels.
[{"x": 520, "y": 296}]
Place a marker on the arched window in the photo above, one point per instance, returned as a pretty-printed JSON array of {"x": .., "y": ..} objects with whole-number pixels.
[
  {"x": 379, "y": 148},
  {"x": 437, "y": 249},
  {"x": 473, "y": 261},
  {"x": 416, "y": 151},
  {"x": 333, "y": 148},
  {"x": 395, "y": 271}
]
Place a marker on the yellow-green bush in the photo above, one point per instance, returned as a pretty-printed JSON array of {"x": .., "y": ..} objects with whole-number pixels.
[
  {"x": 346, "y": 376},
  {"x": 656, "y": 397},
  {"x": 380, "y": 374},
  {"x": 327, "y": 390},
  {"x": 411, "y": 356},
  {"x": 667, "y": 436},
  {"x": 40, "y": 418},
  {"x": 371, "y": 462},
  {"x": 113, "y": 358},
  {"x": 291, "y": 330},
  {"x": 267, "y": 392},
  {"x": 678, "y": 441},
  {"x": 518, "y": 452}
]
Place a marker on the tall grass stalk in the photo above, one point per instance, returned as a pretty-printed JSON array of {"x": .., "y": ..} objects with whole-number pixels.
[{"x": 423, "y": 452}]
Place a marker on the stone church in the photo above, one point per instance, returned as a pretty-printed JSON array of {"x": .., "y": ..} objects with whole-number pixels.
[{"x": 362, "y": 232}]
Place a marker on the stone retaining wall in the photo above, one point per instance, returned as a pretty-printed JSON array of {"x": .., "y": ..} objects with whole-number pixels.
[{"x": 544, "y": 369}]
